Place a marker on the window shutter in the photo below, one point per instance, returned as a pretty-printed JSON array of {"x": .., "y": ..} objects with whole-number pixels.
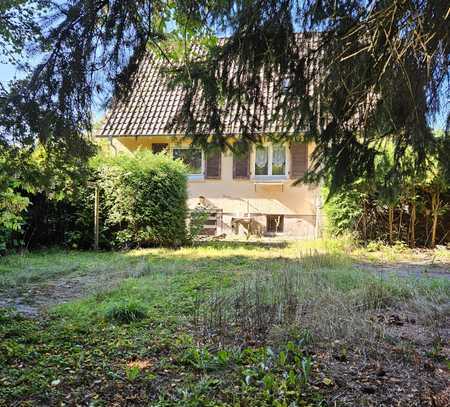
[
  {"x": 241, "y": 165},
  {"x": 213, "y": 165},
  {"x": 299, "y": 159}
]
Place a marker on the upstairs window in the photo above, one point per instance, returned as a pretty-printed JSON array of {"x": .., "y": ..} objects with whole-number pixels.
[
  {"x": 262, "y": 160},
  {"x": 270, "y": 160},
  {"x": 192, "y": 157},
  {"x": 278, "y": 160}
]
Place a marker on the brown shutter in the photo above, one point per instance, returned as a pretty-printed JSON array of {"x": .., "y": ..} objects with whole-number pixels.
[
  {"x": 213, "y": 165},
  {"x": 241, "y": 165},
  {"x": 299, "y": 159}
]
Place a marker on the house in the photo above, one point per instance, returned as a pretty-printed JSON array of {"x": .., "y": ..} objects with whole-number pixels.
[{"x": 253, "y": 192}]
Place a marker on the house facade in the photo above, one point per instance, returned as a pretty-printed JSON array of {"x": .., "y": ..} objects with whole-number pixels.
[{"x": 252, "y": 192}]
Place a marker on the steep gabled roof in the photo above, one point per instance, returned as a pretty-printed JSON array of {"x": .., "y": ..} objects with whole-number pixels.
[{"x": 152, "y": 105}]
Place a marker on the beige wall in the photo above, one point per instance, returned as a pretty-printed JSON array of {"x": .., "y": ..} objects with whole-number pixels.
[{"x": 299, "y": 199}]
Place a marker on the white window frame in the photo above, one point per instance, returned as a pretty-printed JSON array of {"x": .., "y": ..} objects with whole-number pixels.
[
  {"x": 191, "y": 177},
  {"x": 269, "y": 176}
]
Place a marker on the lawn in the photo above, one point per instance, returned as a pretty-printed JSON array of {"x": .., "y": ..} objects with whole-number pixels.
[{"x": 224, "y": 324}]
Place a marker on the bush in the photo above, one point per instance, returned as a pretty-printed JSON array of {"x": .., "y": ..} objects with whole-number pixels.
[
  {"x": 125, "y": 311},
  {"x": 143, "y": 199},
  {"x": 47, "y": 200},
  {"x": 44, "y": 199},
  {"x": 197, "y": 220},
  {"x": 344, "y": 211}
]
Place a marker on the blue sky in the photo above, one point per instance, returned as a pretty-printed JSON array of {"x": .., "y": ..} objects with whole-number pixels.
[{"x": 8, "y": 72}]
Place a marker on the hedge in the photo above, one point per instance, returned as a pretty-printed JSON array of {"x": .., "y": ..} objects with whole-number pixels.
[{"x": 143, "y": 199}]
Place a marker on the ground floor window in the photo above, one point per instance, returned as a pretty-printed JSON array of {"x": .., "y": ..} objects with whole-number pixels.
[
  {"x": 275, "y": 223},
  {"x": 192, "y": 157}
]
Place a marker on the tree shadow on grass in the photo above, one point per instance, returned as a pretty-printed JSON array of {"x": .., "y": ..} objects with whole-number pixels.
[{"x": 243, "y": 244}]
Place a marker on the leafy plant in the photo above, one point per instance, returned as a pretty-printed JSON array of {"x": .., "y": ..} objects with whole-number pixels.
[
  {"x": 197, "y": 219},
  {"x": 132, "y": 373},
  {"x": 306, "y": 369}
]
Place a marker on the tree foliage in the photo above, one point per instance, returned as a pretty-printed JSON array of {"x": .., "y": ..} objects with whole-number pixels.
[
  {"x": 358, "y": 74},
  {"x": 414, "y": 209},
  {"x": 84, "y": 46},
  {"x": 18, "y": 26},
  {"x": 348, "y": 75}
]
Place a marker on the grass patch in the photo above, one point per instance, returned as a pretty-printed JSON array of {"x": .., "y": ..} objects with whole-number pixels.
[
  {"x": 221, "y": 324},
  {"x": 125, "y": 311}
]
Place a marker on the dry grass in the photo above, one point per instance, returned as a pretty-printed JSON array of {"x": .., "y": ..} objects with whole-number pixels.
[{"x": 323, "y": 295}]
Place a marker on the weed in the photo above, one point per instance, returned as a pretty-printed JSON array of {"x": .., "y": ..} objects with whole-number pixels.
[
  {"x": 306, "y": 369},
  {"x": 125, "y": 311},
  {"x": 435, "y": 352},
  {"x": 132, "y": 373}
]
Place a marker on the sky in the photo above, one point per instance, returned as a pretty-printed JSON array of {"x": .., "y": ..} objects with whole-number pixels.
[{"x": 8, "y": 72}]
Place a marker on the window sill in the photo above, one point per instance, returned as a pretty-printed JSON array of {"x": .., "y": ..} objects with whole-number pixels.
[
  {"x": 270, "y": 178},
  {"x": 196, "y": 177}
]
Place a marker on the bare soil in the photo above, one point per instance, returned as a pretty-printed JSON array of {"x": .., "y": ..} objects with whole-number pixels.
[
  {"x": 408, "y": 269},
  {"x": 32, "y": 299},
  {"x": 410, "y": 369}
]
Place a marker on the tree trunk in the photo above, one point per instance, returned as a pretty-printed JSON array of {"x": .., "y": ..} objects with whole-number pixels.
[
  {"x": 435, "y": 204},
  {"x": 364, "y": 220},
  {"x": 391, "y": 224},
  {"x": 412, "y": 241}
]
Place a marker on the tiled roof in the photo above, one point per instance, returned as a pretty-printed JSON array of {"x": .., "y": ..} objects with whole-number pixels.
[{"x": 152, "y": 105}]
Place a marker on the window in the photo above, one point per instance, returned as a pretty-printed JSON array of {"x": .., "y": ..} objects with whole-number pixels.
[
  {"x": 278, "y": 160},
  {"x": 192, "y": 157},
  {"x": 262, "y": 161},
  {"x": 275, "y": 223},
  {"x": 270, "y": 160}
]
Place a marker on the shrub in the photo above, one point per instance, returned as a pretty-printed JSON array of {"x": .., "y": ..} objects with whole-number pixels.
[
  {"x": 12, "y": 206},
  {"x": 125, "y": 311},
  {"x": 343, "y": 212},
  {"x": 44, "y": 199},
  {"x": 143, "y": 199},
  {"x": 197, "y": 220},
  {"x": 13, "y": 202}
]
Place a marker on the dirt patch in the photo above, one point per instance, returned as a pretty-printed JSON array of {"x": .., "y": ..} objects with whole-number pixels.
[
  {"x": 32, "y": 299},
  {"x": 409, "y": 368},
  {"x": 408, "y": 269}
]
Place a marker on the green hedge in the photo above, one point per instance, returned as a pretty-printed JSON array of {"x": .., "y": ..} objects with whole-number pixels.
[{"x": 143, "y": 199}]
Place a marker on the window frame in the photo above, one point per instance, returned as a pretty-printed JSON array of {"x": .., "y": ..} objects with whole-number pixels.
[
  {"x": 269, "y": 175},
  {"x": 191, "y": 177}
]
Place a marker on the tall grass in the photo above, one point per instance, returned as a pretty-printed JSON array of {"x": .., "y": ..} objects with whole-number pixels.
[{"x": 321, "y": 293}]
